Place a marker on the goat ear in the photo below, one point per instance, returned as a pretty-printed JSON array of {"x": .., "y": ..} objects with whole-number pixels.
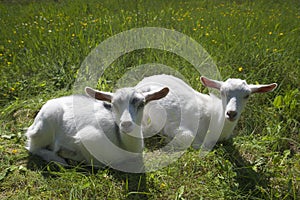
[
  {"x": 263, "y": 88},
  {"x": 99, "y": 95},
  {"x": 210, "y": 83},
  {"x": 156, "y": 95}
]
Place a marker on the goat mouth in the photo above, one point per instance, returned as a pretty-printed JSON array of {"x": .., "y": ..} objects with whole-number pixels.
[
  {"x": 231, "y": 119},
  {"x": 130, "y": 130},
  {"x": 126, "y": 130}
]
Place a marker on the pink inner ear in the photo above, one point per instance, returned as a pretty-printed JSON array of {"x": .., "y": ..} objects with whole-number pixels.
[
  {"x": 157, "y": 95},
  {"x": 90, "y": 92},
  {"x": 103, "y": 97},
  {"x": 210, "y": 83},
  {"x": 264, "y": 88},
  {"x": 98, "y": 95}
]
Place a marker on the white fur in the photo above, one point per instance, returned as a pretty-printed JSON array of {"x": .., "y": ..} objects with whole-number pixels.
[
  {"x": 85, "y": 129},
  {"x": 190, "y": 116}
]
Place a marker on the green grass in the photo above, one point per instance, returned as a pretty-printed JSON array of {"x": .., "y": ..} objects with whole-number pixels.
[{"x": 42, "y": 45}]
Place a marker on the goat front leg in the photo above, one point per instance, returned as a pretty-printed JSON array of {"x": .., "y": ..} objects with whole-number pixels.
[
  {"x": 181, "y": 141},
  {"x": 49, "y": 156}
]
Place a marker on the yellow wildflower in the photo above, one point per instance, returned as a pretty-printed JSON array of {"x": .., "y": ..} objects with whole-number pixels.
[
  {"x": 162, "y": 185},
  {"x": 240, "y": 69},
  {"x": 84, "y": 24}
]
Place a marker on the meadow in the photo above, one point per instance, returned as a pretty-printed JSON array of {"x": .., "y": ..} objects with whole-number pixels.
[{"x": 42, "y": 46}]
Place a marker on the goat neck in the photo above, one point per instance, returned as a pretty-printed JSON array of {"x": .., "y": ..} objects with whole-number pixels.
[
  {"x": 132, "y": 141},
  {"x": 219, "y": 125}
]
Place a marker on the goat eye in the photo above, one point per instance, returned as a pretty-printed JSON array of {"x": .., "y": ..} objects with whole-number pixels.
[
  {"x": 138, "y": 103},
  {"x": 141, "y": 105},
  {"x": 247, "y": 96},
  {"x": 135, "y": 101}
]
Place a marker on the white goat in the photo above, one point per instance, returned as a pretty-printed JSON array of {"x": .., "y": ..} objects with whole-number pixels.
[
  {"x": 188, "y": 116},
  {"x": 81, "y": 128}
]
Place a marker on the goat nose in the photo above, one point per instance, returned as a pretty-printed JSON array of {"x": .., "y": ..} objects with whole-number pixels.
[
  {"x": 126, "y": 124},
  {"x": 231, "y": 114}
]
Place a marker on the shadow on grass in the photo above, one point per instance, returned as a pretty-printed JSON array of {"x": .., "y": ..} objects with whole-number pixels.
[
  {"x": 135, "y": 186},
  {"x": 249, "y": 181}
]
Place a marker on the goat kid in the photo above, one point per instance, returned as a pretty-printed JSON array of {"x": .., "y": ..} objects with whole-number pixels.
[
  {"x": 103, "y": 129},
  {"x": 192, "y": 117}
]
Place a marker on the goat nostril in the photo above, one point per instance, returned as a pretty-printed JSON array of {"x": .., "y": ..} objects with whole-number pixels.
[
  {"x": 232, "y": 114},
  {"x": 126, "y": 124}
]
